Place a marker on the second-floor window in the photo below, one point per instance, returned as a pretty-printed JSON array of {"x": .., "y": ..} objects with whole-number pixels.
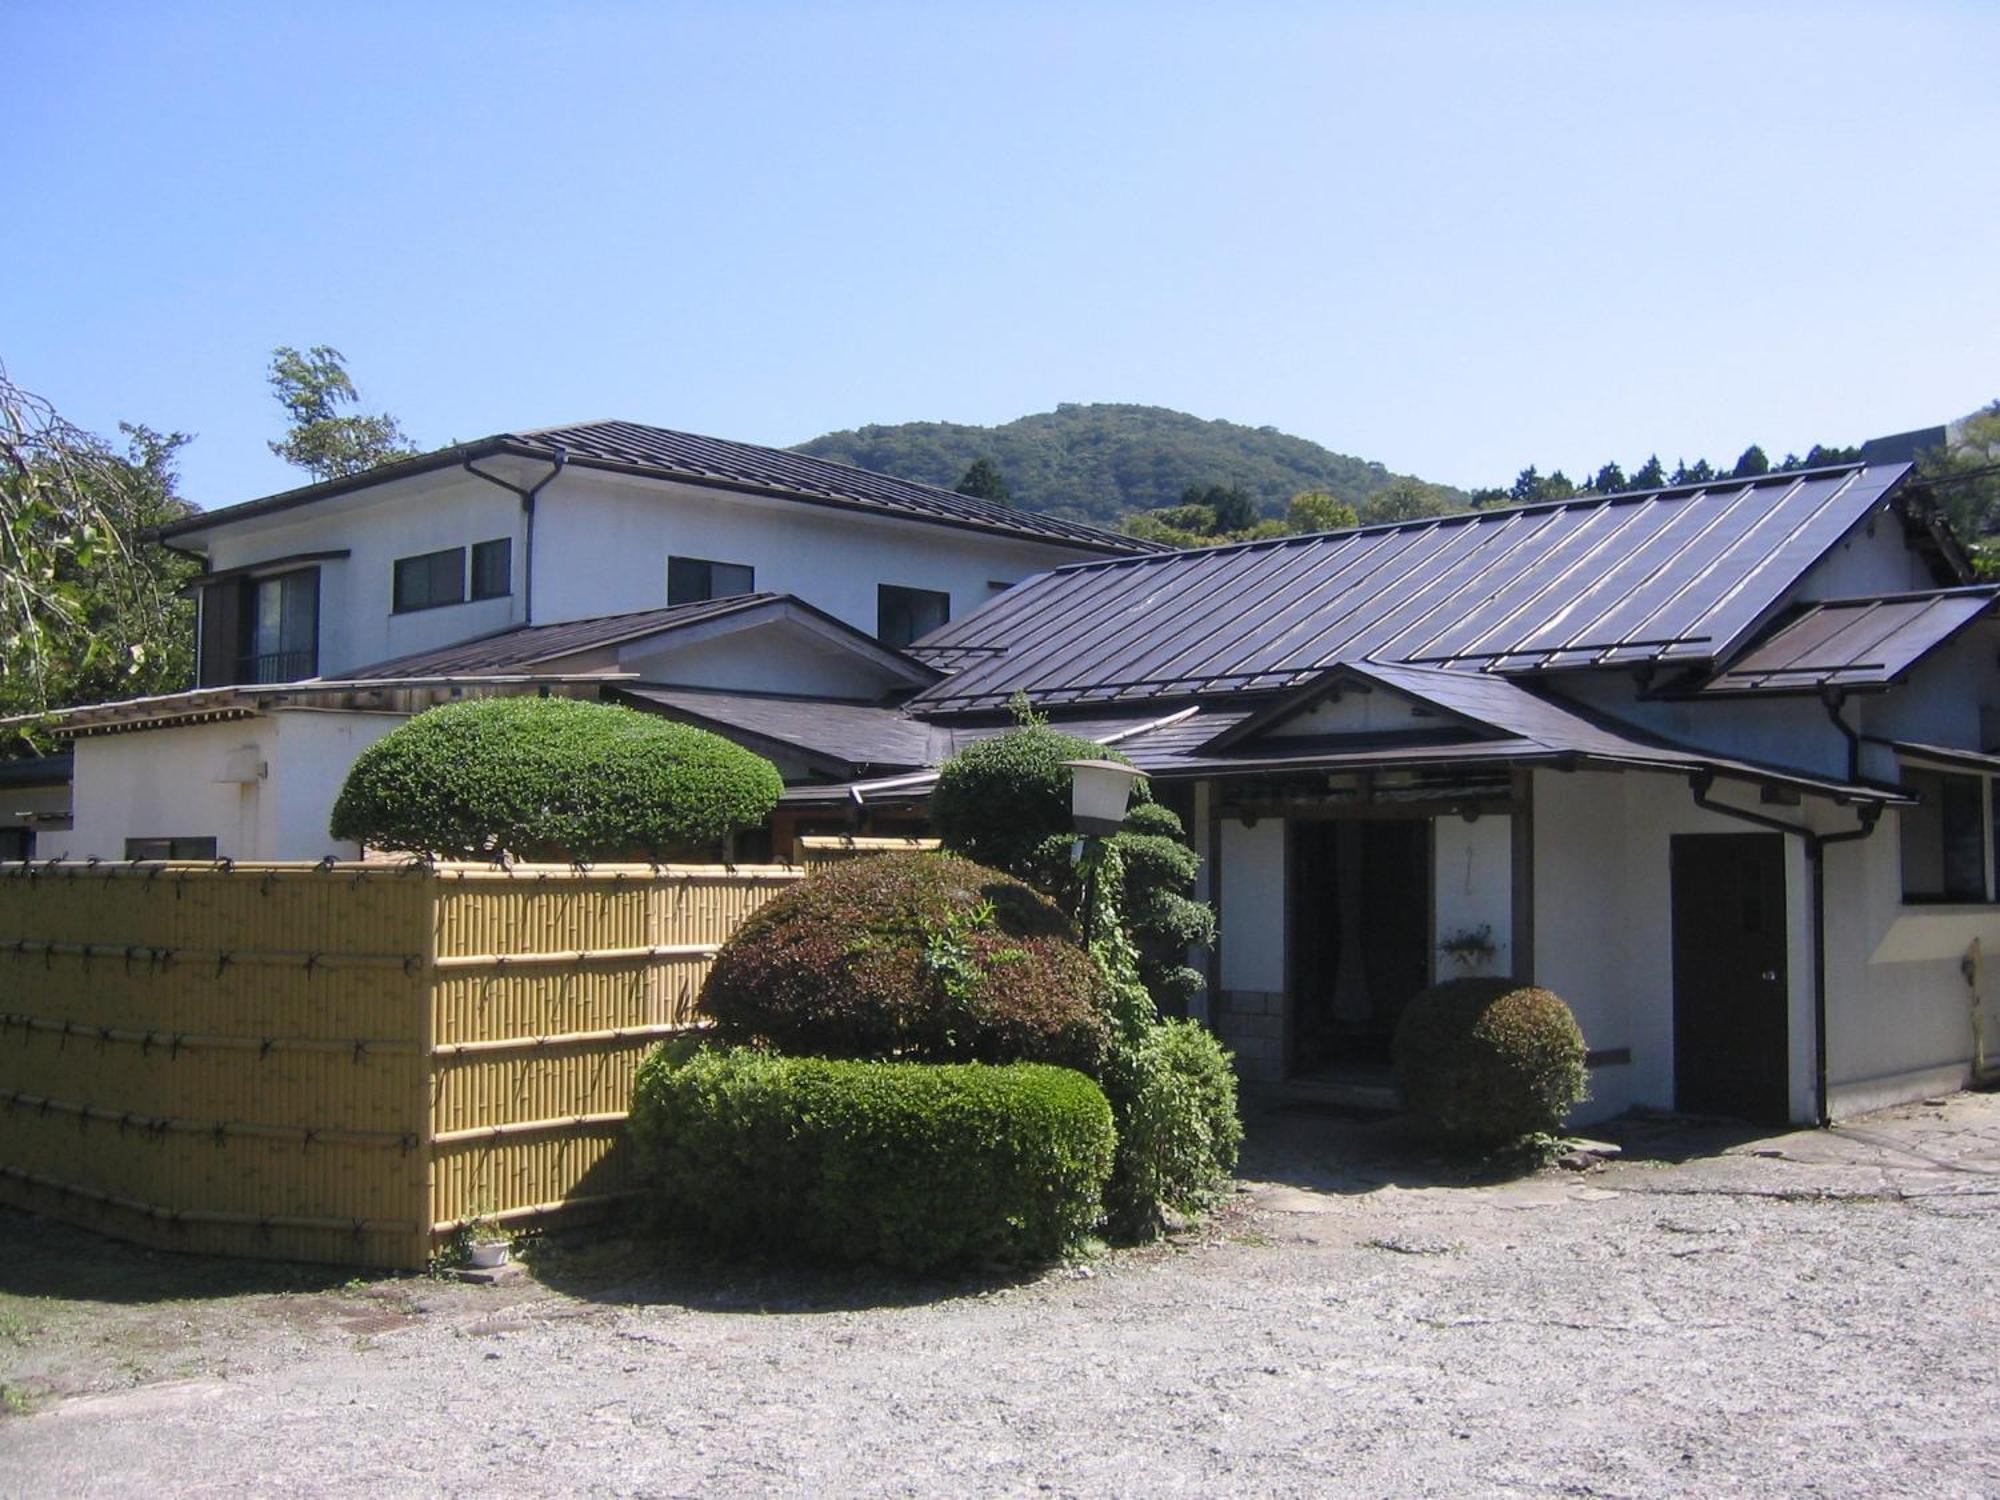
[
  {"x": 493, "y": 568},
  {"x": 690, "y": 580},
  {"x": 260, "y": 629},
  {"x": 430, "y": 579},
  {"x": 903, "y": 615}
]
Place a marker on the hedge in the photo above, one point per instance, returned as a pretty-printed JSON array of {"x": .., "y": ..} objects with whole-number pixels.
[
  {"x": 919, "y": 956},
  {"x": 552, "y": 778},
  {"x": 1487, "y": 1061},
  {"x": 1173, "y": 1095},
  {"x": 914, "y": 1165}
]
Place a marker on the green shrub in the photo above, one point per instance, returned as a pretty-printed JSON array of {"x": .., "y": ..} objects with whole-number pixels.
[
  {"x": 1173, "y": 1095},
  {"x": 919, "y": 956},
  {"x": 999, "y": 801},
  {"x": 1487, "y": 1061},
  {"x": 552, "y": 778},
  {"x": 914, "y": 1165}
]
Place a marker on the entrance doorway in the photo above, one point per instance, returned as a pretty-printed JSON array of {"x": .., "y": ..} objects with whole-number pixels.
[
  {"x": 1361, "y": 946},
  {"x": 1732, "y": 1043}
]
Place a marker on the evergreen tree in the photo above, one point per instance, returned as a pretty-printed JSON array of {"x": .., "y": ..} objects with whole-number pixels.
[
  {"x": 1752, "y": 463},
  {"x": 984, "y": 481}
]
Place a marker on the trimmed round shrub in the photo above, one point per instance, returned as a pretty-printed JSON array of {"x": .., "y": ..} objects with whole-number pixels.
[
  {"x": 914, "y": 1165},
  {"x": 552, "y": 778},
  {"x": 919, "y": 956},
  {"x": 997, "y": 801},
  {"x": 1173, "y": 1095},
  {"x": 1487, "y": 1061}
]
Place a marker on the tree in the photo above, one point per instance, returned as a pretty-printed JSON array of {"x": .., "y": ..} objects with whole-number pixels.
[
  {"x": 1651, "y": 475},
  {"x": 1527, "y": 487},
  {"x": 1752, "y": 463},
  {"x": 1319, "y": 510},
  {"x": 1234, "y": 509},
  {"x": 312, "y": 387},
  {"x": 984, "y": 481},
  {"x": 87, "y": 609},
  {"x": 1964, "y": 475},
  {"x": 1608, "y": 480},
  {"x": 1406, "y": 499}
]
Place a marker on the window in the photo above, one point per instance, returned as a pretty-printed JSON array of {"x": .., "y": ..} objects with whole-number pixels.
[
  {"x": 493, "y": 568},
  {"x": 260, "y": 629},
  {"x": 1944, "y": 837},
  {"x": 690, "y": 580},
  {"x": 904, "y": 615},
  {"x": 170, "y": 848},
  {"x": 431, "y": 580}
]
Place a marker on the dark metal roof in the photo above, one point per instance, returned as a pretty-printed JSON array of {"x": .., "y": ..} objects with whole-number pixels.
[
  {"x": 1666, "y": 576},
  {"x": 529, "y": 645},
  {"x": 663, "y": 453},
  {"x": 859, "y": 736},
  {"x": 1524, "y": 729},
  {"x": 1903, "y": 447},
  {"x": 1853, "y": 643}
]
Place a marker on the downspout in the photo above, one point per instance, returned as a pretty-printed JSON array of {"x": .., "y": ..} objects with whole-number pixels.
[
  {"x": 1834, "y": 698},
  {"x": 528, "y": 508},
  {"x": 1815, "y": 846}
]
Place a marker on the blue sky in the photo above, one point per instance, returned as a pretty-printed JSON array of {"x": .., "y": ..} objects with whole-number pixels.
[{"x": 1457, "y": 239}]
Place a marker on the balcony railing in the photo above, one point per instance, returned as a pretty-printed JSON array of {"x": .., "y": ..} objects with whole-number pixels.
[{"x": 278, "y": 666}]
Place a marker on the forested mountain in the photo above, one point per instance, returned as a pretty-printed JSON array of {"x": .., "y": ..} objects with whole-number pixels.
[{"x": 1099, "y": 461}]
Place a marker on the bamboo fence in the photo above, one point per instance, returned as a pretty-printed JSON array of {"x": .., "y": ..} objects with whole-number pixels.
[{"x": 338, "y": 1062}]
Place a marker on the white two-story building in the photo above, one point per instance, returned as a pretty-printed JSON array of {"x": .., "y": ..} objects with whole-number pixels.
[{"x": 621, "y": 552}]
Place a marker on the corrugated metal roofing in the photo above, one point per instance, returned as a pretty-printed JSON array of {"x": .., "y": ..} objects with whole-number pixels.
[
  {"x": 1853, "y": 642},
  {"x": 530, "y": 645},
  {"x": 717, "y": 459},
  {"x": 1667, "y": 576}
]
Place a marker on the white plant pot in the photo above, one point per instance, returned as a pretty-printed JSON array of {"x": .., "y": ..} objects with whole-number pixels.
[{"x": 484, "y": 1255}]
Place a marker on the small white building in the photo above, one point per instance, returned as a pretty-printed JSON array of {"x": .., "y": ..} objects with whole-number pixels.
[{"x": 566, "y": 559}]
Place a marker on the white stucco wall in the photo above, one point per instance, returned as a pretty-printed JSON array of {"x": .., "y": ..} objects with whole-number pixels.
[
  {"x": 601, "y": 547},
  {"x": 1900, "y": 1011},
  {"x": 1603, "y": 918},
  {"x": 1473, "y": 887},
  {"x": 162, "y": 783},
  {"x": 1251, "y": 913}
]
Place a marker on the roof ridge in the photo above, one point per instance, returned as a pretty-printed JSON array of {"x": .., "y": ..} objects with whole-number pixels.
[{"x": 1459, "y": 517}]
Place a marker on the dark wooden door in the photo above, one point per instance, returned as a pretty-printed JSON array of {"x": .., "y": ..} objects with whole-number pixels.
[{"x": 1731, "y": 1040}]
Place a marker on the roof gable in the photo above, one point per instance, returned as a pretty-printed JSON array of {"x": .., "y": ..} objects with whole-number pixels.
[
  {"x": 1853, "y": 643},
  {"x": 1664, "y": 577}
]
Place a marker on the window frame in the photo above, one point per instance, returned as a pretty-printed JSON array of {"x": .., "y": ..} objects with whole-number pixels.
[
  {"x": 475, "y": 587},
  {"x": 906, "y": 595},
  {"x": 396, "y": 592},
  {"x": 705, "y": 591},
  {"x": 1919, "y": 776}
]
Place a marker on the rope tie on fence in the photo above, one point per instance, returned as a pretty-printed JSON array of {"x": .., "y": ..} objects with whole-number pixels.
[
  {"x": 103, "y": 1037},
  {"x": 146, "y": 1045},
  {"x": 408, "y": 1142},
  {"x": 92, "y": 863},
  {"x": 62, "y": 1039},
  {"x": 312, "y": 962},
  {"x": 360, "y": 1049},
  {"x": 308, "y": 1140},
  {"x": 409, "y": 964},
  {"x": 360, "y": 1228},
  {"x": 220, "y": 1135},
  {"x": 174, "y": 1047},
  {"x": 264, "y": 885},
  {"x": 325, "y": 865},
  {"x": 222, "y": 961},
  {"x": 264, "y": 1047},
  {"x": 264, "y": 1227},
  {"x": 225, "y": 864}
]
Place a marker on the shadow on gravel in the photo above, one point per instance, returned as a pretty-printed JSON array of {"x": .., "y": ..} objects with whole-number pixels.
[
  {"x": 43, "y": 1258},
  {"x": 1332, "y": 1149},
  {"x": 623, "y": 1262}
]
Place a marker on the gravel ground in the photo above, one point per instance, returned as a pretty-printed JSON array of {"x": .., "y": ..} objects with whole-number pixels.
[{"x": 1714, "y": 1314}]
